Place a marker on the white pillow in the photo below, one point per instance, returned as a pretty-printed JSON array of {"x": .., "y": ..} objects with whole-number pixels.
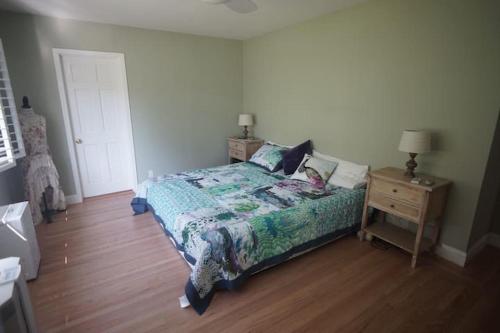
[
  {"x": 279, "y": 145},
  {"x": 325, "y": 157},
  {"x": 347, "y": 174}
]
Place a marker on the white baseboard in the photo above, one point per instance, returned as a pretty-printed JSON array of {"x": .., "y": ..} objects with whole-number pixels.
[
  {"x": 452, "y": 254},
  {"x": 73, "y": 199},
  {"x": 460, "y": 257}
]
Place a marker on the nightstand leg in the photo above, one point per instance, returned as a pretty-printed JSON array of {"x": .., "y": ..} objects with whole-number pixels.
[
  {"x": 418, "y": 238},
  {"x": 364, "y": 221}
]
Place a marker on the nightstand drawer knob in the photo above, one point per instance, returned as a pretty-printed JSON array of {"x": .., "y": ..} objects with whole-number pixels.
[
  {"x": 395, "y": 190},
  {"x": 392, "y": 206}
]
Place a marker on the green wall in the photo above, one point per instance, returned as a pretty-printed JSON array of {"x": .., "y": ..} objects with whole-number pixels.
[
  {"x": 353, "y": 80},
  {"x": 185, "y": 91}
]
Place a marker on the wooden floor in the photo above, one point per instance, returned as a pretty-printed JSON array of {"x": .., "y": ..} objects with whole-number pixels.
[{"x": 104, "y": 270}]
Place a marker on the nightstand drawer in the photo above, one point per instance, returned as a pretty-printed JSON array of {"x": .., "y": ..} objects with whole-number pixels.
[
  {"x": 237, "y": 146},
  {"x": 242, "y": 149},
  {"x": 392, "y": 206},
  {"x": 398, "y": 191},
  {"x": 237, "y": 154}
]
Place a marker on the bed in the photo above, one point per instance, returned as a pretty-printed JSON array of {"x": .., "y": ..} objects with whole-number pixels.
[{"x": 232, "y": 221}]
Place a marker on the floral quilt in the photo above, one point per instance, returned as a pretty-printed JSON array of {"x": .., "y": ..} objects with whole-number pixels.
[{"x": 235, "y": 220}]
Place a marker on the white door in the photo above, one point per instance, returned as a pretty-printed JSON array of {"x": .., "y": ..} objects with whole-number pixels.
[{"x": 98, "y": 107}]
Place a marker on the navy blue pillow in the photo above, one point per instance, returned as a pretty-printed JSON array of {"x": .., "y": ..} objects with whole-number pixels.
[{"x": 292, "y": 158}]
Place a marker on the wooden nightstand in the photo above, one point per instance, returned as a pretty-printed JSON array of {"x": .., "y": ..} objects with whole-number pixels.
[
  {"x": 390, "y": 191},
  {"x": 242, "y": 149}
]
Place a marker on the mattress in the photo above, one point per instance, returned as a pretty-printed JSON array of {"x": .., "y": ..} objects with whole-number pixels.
[{"x": 232, "y": 221}]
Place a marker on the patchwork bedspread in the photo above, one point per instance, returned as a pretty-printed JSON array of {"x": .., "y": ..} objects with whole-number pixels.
[{"x": 232, "y": 221}]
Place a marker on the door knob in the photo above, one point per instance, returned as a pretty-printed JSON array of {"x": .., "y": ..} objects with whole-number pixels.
[{"x": 78, "y": 141}]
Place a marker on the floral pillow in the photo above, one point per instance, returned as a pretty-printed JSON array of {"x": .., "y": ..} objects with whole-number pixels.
[
  {"x": 315, "y": 170},
  {"x": 269, "y": 156}
]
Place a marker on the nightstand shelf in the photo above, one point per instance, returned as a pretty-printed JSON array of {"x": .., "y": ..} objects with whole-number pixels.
[{"x": 397, "y": 236}]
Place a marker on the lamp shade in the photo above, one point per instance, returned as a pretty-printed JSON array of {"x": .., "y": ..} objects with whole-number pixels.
[
  {"x": 415, "y": 141},
  {"x": 245, "y": 119}
]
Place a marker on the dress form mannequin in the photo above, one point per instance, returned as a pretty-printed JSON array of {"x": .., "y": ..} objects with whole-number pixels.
[{"x": 39, "y": 170}]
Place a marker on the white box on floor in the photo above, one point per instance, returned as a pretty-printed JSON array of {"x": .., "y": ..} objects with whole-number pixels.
[{"x": 18, "y": 237}]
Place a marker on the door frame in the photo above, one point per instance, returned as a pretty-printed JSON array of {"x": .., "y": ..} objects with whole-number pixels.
[{"x": 58, "y": 54}]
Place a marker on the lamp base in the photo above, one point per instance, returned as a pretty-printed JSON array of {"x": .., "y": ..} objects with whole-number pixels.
[
  {"x": 245, "y": 132},
  {"x": 411, "y": 165}
]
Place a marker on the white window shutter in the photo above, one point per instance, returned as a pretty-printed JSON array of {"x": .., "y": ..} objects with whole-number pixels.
[
  {"x": 11, "y": 141},
  {"x": 7, "y": 160}
]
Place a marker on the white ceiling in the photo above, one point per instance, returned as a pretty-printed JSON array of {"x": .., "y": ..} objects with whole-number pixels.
[{"x": 188, "y": 16}]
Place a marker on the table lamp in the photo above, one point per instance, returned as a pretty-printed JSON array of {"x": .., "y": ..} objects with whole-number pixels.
[
  {"x": 245, "y": 120},
  {"x": 414, "y": 142}
]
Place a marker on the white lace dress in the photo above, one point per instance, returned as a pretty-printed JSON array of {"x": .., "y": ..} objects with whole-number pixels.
[{"x": 39, "y": 170}]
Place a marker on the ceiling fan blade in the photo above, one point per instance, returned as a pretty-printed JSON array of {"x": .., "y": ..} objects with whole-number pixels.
[{"x": 242, "y": 6}]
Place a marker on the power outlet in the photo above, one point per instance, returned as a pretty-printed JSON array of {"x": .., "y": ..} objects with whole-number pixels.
[{"x": 151, "y": 174}]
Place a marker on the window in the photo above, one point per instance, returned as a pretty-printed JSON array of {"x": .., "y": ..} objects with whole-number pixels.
[{"x": 11, "y": 141}]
